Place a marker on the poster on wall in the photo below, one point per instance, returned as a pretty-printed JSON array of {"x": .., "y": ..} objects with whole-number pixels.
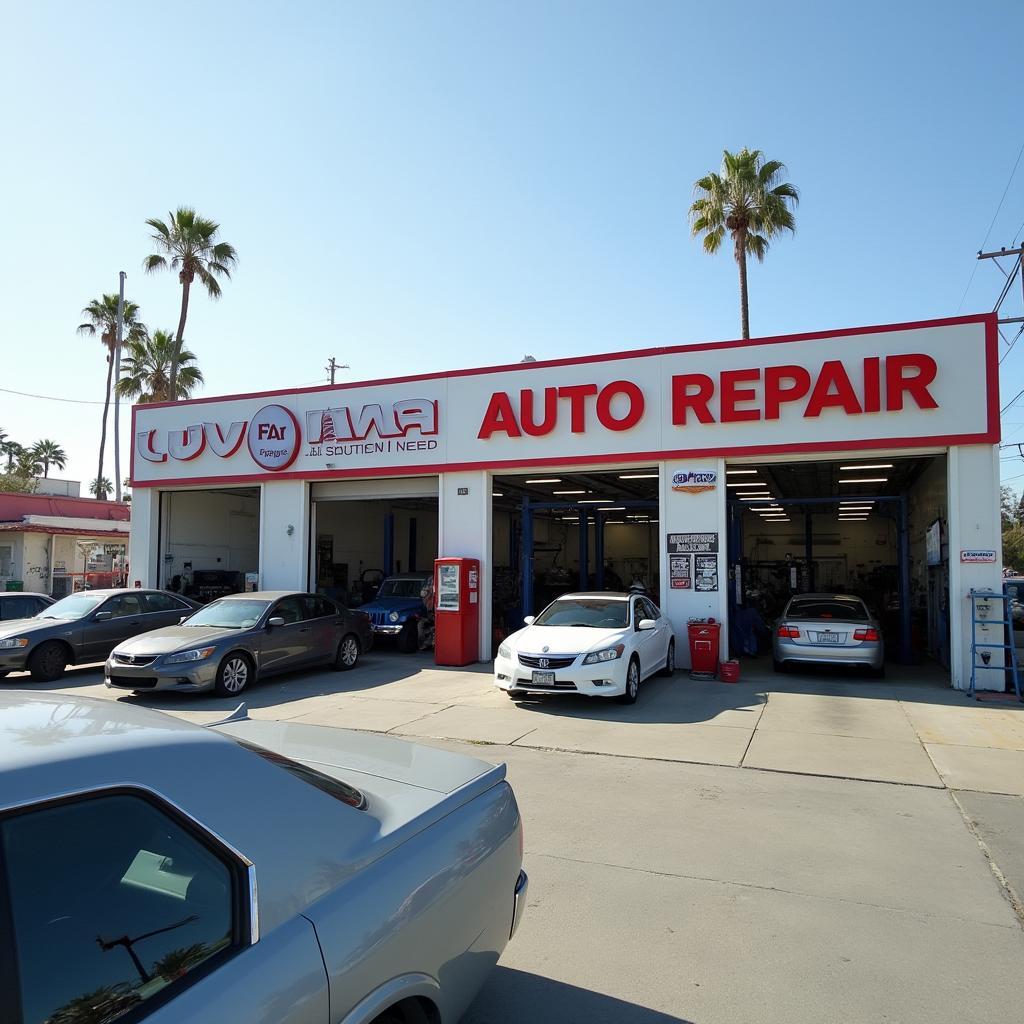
[
  {"x": 705, "y": 572},
  {"x": 447, "y": 588},
  {"x": 679, "y": 572},
  {"x": 692, "y": 543}
]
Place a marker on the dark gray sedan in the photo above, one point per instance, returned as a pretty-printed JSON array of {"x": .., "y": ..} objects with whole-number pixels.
[
  {"x": 22, "y": 605},
  {"x": 231, "y": 641},
  {"x": 83, "y": 628}
]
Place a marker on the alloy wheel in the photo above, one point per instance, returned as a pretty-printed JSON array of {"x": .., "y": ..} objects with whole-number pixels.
[
  {"x": 349, "y": 651},
  {"x": 236, "y": 675}
]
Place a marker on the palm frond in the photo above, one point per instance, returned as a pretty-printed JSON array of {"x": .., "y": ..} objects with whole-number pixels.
[
  {"x": 713, "y": 239},
  {"x": 154, "y": 262},
  {"x": 757, "y": 245}
]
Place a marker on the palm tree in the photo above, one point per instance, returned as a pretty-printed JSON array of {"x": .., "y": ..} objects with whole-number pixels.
[
  {"x": 146, "y": 370},
  {"x": 49, "y": 453},
  {"x": 27, "y": 464},
  {"x": 102, "y": 319},
  {"x": 748, "y": 200},
  {"x": 100, "y": 488},
  {"x": 188, "y": 244},
  {"x": 13, "y": 451}
]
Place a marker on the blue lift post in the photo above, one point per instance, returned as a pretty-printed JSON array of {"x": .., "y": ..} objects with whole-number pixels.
[
  {"x": 389, "y": 543},
  {"x": 902, "y": 550}
]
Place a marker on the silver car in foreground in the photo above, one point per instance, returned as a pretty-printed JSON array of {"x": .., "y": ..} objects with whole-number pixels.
[
  {"x": 828, "y": 629},
  {"x": 264, "y": 872}
]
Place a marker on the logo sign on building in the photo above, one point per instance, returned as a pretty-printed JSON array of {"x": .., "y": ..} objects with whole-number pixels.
[
  {"x": 694, "y": 481},
  {"x": 977, "y": 555},
  {"x": 693, "y": 543},
  {"x": 274, "y": 438}
]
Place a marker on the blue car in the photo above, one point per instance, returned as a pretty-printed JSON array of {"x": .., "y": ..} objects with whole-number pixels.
[{"x": 398, "y": 608}]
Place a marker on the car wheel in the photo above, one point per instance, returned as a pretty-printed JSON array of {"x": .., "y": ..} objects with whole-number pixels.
[
  {"x": 408, "y": 639},
  {"x": 234, "y": 675},
  {"x": 632, "y": 683},
  {"x": 348, "y": 653},
  {"x": 778, "y": 665},
  {"x": 48, "y": 661},
  {"x": 670, "y": 659}
]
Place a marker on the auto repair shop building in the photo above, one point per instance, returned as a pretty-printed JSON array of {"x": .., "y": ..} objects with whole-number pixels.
[{"x": 723, "y": 476}]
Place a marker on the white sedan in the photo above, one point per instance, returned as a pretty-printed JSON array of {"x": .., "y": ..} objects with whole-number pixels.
[{"x": 598, "y": 644}]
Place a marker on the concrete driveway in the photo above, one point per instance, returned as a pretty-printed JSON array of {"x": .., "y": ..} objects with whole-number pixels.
[{"x": 795, "y": 848}]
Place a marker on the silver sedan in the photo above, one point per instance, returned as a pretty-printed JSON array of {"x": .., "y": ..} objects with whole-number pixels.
[
  {"x": 234, "y": 640},
  {"x": 828, "y": 629}
]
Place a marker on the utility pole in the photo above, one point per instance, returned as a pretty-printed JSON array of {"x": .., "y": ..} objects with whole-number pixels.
[
  {"x": 333, "y": 365},
  {"x": 1010, "y": 278},
  {"x": 117, "y": 378}
]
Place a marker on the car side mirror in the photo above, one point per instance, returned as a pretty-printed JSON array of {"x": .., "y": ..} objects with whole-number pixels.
[
  {"x": 529, "y": 620},
  {"x": 102, "y": 616},
  {"x": 182, "y": 619},
  {"x": 275, "y": 620},
  {"x": 647, "y": 624}
]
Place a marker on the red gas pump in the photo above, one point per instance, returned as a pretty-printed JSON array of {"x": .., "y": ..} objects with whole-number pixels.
[{"x": 456, "y": 611}]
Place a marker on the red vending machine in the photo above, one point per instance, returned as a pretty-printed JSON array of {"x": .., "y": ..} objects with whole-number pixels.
[{"x": 456, "y": 611}]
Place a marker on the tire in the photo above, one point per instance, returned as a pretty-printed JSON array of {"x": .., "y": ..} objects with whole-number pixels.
[
  {"x": 348, "y": 653},
  {"x": 48, "y": 661},
  {"x": 234, "y": 674},
  {"x": 632, "y": 683},
  {"x": 408, "y": 639},
  {"x": 876, "y": 673},
  {"x": 778, "y": 665},
  {"x": 670, "y": 659}
]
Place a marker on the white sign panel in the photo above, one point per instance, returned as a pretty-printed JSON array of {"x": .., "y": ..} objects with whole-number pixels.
[
  {"x": 911, "y": 385},
  {"x": 977, "y": 555}
]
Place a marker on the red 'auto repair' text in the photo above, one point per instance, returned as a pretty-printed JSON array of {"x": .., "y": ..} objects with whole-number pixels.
[{"x": 887, "y": 384}]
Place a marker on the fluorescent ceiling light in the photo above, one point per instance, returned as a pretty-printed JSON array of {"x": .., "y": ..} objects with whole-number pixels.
[
  {"x": 614, "y": 522},
  {"x": 853, "y": 519},
  {"x": 867, "y": 480},
  {"x": 873, "y": 465},
  {"x": 756, "y": 497},
  {"x": 638, "y": 476},
  {"x": 595, "y": 501},
  {"x": 740, "y": 472},
  {"x": 774, "y": 519},
  {"x": 568, "y": 492},
  {"x": 613, "y": 508},
  {"x": 497, "y": 494},
  {"x": 855, "y": 508},
  {"x": 857, "y": 501},
  {"x": 748, "y": 484},
  {"x": 546, "y": 480}
]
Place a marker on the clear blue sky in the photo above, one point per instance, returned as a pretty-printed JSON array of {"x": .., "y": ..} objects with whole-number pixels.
[{"x": 414, "y": 187}]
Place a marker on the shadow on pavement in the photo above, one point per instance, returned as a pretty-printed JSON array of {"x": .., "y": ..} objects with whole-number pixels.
[{"x": 514, "y": 996}]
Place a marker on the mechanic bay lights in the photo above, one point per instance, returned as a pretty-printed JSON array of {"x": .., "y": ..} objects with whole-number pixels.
[{"x": 717, "y": 474}]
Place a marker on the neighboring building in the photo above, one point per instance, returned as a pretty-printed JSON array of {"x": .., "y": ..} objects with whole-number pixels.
[
  {"x": 59, "y": 488},
  {"x": 722, "y": 475},
  {"x": 55, "y": 545}
]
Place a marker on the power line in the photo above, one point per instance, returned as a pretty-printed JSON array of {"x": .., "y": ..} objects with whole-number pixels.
[{"x": 50, "y": 398}]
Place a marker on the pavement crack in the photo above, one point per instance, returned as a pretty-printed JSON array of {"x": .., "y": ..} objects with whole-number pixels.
[
  {"x": 753, "y": 731},
  {"x": 772, "y": 889}
]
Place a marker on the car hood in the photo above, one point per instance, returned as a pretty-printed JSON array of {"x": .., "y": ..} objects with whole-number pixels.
[
  {"x": 564, "y": 639},
  {"x": 173, "y": 638},
  {"x": 24, "y": 627},
  {"x": 392, "y": 604}
]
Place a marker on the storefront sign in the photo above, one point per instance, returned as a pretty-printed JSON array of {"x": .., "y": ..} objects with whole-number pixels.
[
  {"x": 705, "y": 573},
  {"x": 694, "y": 481},
  {"x": 977, "y": 555},
  {"x": 680, "y": 543},
  {"x": 679, "y": 572},
  {"x": 867, "y": 388}
]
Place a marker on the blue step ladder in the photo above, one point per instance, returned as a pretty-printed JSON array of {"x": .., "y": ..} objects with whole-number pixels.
[{"x": 995, "y": 600}]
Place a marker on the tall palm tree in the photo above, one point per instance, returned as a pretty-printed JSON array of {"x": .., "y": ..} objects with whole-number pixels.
[
  {"x": 188, "y": 244},
  {"x": 100, "y": 488},
  {"x": 49, "y": 453},
  {"x": 27, "y": 464},
  {"x": 747, "y": 199},
  {"x": 13, "y": 451},
  {"x": 102, "y": 320},
  {"x": 146, "y": 370}
]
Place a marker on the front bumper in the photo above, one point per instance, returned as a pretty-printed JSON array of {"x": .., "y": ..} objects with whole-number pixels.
[
  {"x": 605, "y": 679},
  {"x": 190, "y": 677},
  {"x": 13, "y": 659},
  {"x": 865, "y": 653},
  {"x": 388, "y": 629}
]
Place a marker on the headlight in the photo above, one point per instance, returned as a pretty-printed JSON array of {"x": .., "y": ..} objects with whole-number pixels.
[
  {"x": 394, "y": 617},
  {"x": 14, "y": 642},
  {"x": 198, "y": 655},
  {"x": 608, "y": 654},
  {"x": 504, "y": 651}
]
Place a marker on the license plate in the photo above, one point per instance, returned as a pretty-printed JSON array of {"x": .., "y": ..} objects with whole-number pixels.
[
  {"x": 828, "y": 638},
  {"x": 544, "y": 678}
]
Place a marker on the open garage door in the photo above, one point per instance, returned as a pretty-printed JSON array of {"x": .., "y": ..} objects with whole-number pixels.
[
  {"x": 209, "y": 540},
  {"x": 869, "y": 527}
]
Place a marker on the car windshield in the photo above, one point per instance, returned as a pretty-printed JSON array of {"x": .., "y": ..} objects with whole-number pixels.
[
  {"x": 229, "y": 613},
  {"x": 401, "y": 588},
  {"x": 818, "y": 608},
  {"x": 598, "y": 612},
  {"x": 73, "y": 607}
]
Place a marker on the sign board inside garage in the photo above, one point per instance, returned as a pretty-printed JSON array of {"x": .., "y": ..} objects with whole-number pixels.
[{"x": 693, "y": 543}]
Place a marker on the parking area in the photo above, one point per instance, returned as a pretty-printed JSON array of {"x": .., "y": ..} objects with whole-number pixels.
[{"x": 787, "y": 848}]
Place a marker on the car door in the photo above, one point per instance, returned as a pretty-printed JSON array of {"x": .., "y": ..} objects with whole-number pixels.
[
  {"x": 163, "y": 609},
  {"x": 127, "y": 618},
  {"x": 150, "y": 917},
  {"x": 291, "y": 645},
  {"x": 644, "y": 639},
  {"x": 325, "y": 622},
  {"x": 663, "y": 633}
]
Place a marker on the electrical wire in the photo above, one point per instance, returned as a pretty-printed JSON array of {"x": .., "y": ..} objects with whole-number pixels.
[
  {"x": 51, "y": 398},
  {"x": 1010, "y": 345}
]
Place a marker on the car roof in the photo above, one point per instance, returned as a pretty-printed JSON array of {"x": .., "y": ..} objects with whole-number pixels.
[
  {"x": 266, "y": 595},
  {"x": 608, "y": 595},
  {"x": 409, "y": 576},
  {"x": 826, "y": 597},
  {"x": 23, "y": 593}
]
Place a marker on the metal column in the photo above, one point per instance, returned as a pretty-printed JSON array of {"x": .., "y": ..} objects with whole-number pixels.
[
  {"x": 903, "y": 554},
  {"x": 584, "y": 550},
  {"x": 526, "y": 555},
  {"x": 809, "y": 550},
  {"x": 389, "y": 543},
  {"x": 599, "y": 553}
]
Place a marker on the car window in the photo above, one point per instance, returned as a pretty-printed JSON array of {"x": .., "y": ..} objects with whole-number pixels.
[
  {"x": 318, "y": 607},
  {"x": 818, "y": 608},
  {"x": 76, "y": 606},
  {"x": 123, "y": 605},
  {"x": 599, "y": 612},
  {"x": 291, "y": 609},
  {"x": 229, "y": 613},
  {"x": 157, "y": 602},
  {"x": 647, "y": 610},
  {"x": 18, "y": 607},
  {"x": 401, "y": 588},
  {"x": 139, "y": 905}
]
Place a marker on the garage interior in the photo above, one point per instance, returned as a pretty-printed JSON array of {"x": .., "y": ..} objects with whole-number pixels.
[
  {"x": 558, "y": 532},
  {"x": 874, "y": 527},
  {"x": 209, "y": 540},
  {"x": 357, "y": 542}
]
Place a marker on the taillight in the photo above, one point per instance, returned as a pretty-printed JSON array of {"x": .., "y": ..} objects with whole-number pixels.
[
  {"x": 865, "y": 634},
  {"x": 789, "y": 632}
]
